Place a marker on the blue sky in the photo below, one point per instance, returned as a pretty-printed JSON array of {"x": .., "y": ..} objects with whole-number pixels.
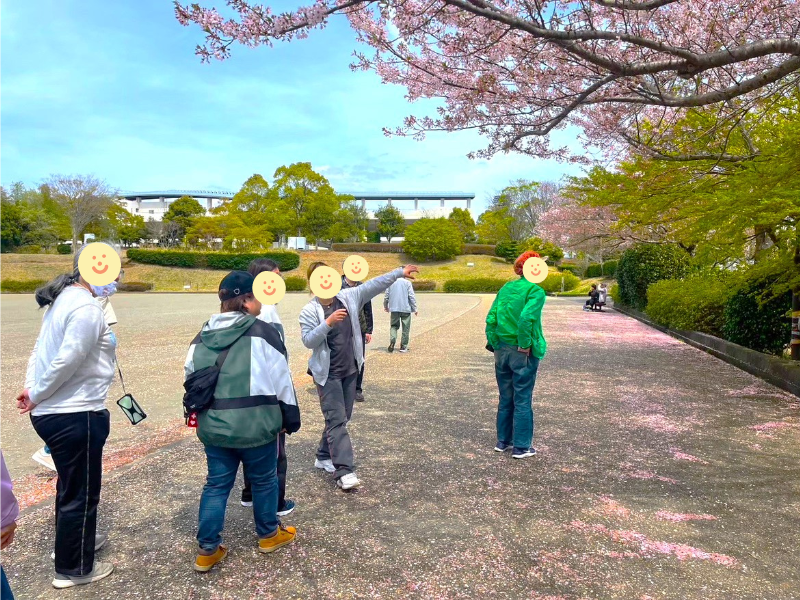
[{"x": 115, "y": 89}]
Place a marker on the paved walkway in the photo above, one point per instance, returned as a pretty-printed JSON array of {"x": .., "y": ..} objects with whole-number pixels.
[{"x": 662, "y": 473}]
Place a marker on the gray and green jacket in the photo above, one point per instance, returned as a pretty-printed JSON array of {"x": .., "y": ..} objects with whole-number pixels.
[{"x": 254, "y": 398}]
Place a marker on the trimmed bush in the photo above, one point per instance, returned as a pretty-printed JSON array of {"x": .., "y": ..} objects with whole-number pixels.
[
  {"x": 553, "y": 282},
  {"x": 433, "y": 239},
  {"x": 228, "y": 261},
  {"x": 607, "y": 269},
  {"x": 20, "y": 286},
  {"x": 645, "y": 264},
  {"x": 693, "y": 304},
  {"x": 757, "y": 320},
  {"x": 64, "y": 249},
  {"x": 368, "y": 247},
  {"x": 508, "y": 250},
  {"x": 422, "y": 285},
  {"x": 32, "y": 249},
  {"x": 615, "y": 295},
  {"x": 135, "y": 286},
  {"x": 479, "y": 285},
  {"x": 483, "y": 249},
  {"x": 295, "y": 284}
]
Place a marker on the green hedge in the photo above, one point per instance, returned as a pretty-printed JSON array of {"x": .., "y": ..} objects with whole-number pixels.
[
  {"x": 20, "y": 286},
  {"x": 615, "y": 295},
  {"x": 135, "y": 286},
  {"x": 32, "y": 249},
  {"x": 552, "y": 283},
  {"x": 758, "y": 320},
  {"x": 479, "y": 285},
  {"x": 607, "y": 269},
  {"x": 295, "y": 284},
  {"x": 696, "y": 304},
  {"x": 484, "y": 249},
  {"x": 367, "y": 247},
  {"x": 423, "y": 285},
  {"x": 645, "y": 264},
  {"x": 64, "y": 249},
  {"x": 227, "y": 261}
]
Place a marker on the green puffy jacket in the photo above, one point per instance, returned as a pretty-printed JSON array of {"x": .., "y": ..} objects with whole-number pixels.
[{"x": 515, "y": 318}]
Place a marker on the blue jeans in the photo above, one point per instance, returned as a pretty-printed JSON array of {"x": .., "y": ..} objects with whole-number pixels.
[
  {"x": 5, "y": 589},
  {"x": 260, "y": 464},
  {"x": 516, "y": 376}
]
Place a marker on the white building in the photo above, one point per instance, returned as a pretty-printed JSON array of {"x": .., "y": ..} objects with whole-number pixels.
[{"x": 153, "y": 205}]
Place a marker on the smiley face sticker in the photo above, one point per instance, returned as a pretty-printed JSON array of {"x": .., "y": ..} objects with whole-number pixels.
[
  {"x": 269, "y": 287},
  {"x": 99, "y": 263},
  {"x": 356, "y": 268},
  {"x": 325, "y": 282},
  {"x": 535, "y": 270}
]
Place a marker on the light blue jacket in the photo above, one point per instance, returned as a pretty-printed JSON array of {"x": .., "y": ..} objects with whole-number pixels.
[
  {"x": 314, "y": 329},
  {"x": 400, "y": 297}
]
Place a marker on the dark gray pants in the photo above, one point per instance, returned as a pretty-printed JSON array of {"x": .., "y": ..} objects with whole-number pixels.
[
  {"x": 336, "y": 399},
  {"x": 394, "y": 324}
]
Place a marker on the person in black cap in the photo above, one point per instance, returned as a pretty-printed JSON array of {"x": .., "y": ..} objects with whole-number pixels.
[{"x": 254, "y": 401}]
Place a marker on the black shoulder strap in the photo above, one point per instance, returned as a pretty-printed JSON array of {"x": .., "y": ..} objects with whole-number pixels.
[{"x": 222, "y": 356}]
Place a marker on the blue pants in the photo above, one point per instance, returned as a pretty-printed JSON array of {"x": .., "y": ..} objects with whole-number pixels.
[
  {"x": 5, "y": 589},
  {"x": 261, "y": 464},
  {"x": 516, "y": 376}
]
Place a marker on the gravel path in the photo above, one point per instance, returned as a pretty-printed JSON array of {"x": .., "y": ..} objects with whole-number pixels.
[{"x": 662, "y": 473}]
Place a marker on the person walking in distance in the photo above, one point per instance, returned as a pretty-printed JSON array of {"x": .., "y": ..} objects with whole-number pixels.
[
  {"x": 69, "y": 373},
  {"x": 365, "y": 321},
  {"x": 514, "y": 334},
  {"x": 400, "y": 302},
  {"x": 269, "y": 315},
  {"x": 253, "y": 402},
  {"x": 329, "y": 328}
]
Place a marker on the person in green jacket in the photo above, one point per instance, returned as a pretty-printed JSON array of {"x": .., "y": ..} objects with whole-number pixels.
[
  {"x": 514, "y": 334},
  {"x": 254, "y": 402}
]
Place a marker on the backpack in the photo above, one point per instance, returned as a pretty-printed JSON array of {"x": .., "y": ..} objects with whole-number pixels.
[{"x": 200, "y": 387}]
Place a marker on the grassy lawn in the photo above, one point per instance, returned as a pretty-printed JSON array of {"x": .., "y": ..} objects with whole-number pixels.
[{"x": 172, "y": 279}]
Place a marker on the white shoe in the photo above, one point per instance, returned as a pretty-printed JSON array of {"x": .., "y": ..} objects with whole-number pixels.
[
  {"x": 44, "y": 458},
  {"x": 101, "y": 571},
  {"x": 326, "y": 465},
  {"x": 247, "y": 504},
  {"x": 100, "y": 540},
  {"x": 348, "y": 482}
]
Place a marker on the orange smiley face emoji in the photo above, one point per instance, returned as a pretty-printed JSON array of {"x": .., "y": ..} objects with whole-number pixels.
[
  {"x": 356, "y": 268},
  {"x": 535, "y": 270},
  {"x": 325, "y": 282},
  {"x": 269, "y": 287},
  {"x": 99, "y": 263}
]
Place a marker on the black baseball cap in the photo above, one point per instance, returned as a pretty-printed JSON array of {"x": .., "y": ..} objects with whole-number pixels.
[{"x": 235, "y": 284}]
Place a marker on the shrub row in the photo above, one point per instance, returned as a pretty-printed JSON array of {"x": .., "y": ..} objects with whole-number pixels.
[
  {"x": 32, "y": 249},
  {"x": 135, "y": 286},
  {"x": 484, "y": 249},
  {"x": 295, "y": 284},
  {"x": 606, "y": 269},
  {"x": 746, "y": 315},
  {"x": 367, "y": 247},
  {"x": 64, "y": 249},
  {"x": 20, "y": 286},
  {"x": 423, "y": 285},
  {"x": 227, "y": 261},
  {"x": 478, "y": 285},
  {"x": 645, "y": 264}
]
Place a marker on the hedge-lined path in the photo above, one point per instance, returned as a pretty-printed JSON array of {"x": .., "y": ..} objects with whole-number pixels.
[{"x": 662, "y": 473}]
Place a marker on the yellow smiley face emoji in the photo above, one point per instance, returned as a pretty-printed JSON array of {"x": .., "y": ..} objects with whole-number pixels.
[
  {"x": 325, "y": 282},
  {"x": 356, "y": 268},
  {"x": 269, "y": 287},
  {"x": 535, "y": 270},
  {"x": 99, "y": 263}
]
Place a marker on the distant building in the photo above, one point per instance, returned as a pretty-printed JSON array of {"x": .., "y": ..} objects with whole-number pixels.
[{"x": 413, "y": 205}]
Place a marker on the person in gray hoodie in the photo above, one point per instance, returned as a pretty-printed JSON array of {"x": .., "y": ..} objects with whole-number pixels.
[
  {"x": 400, "y": 302},
  {"x": 327, "y": 328}
]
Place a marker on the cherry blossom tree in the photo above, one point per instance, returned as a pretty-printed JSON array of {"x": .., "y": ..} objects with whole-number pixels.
[{"x": 518, "y": 70}]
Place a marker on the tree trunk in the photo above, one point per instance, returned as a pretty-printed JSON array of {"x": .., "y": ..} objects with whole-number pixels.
[{"x": 74, "y": 241}]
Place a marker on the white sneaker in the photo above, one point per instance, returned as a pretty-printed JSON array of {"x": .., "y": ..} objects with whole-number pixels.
[
  {"x": 44, "y": 458},
  {"x": 247, "y": 503},
  {"x": 100, "y": 540},
  {"x": 101, "y": 571},
  {"x": 348, "y": 482},
  {"x": 326, "y": 465}
]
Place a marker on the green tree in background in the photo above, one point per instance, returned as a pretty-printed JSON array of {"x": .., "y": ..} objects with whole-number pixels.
[
  {"x": 298, "y": 186},
  {"x": 180, "y": 216},
  {"x": 462, "y": 219},
  {"x": 391, "y": 223}
]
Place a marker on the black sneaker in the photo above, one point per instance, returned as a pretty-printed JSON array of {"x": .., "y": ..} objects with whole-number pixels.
[
  {"x": 391, "y": 348},
  {"x": 247, "y": 498},
  {"x": 359, "y": 397},
  {"x": 288, "y": 507},
  {"x": 502, "y": 447},
  {"x": 523, "y": 452}
]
